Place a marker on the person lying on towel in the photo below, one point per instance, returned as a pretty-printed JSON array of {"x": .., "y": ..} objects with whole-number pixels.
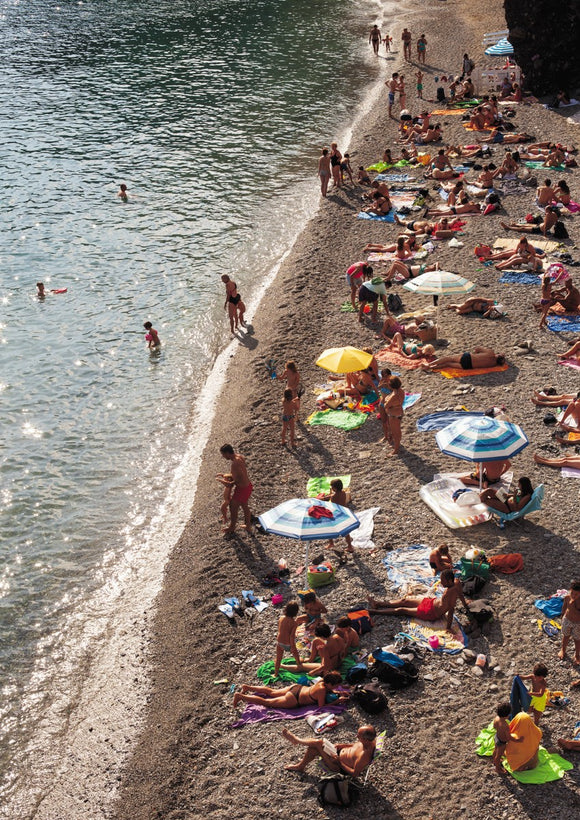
[{"x": 479, "y": 357}]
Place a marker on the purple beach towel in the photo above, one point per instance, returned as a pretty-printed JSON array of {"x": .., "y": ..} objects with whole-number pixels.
[{"x": 260, "y": 714}]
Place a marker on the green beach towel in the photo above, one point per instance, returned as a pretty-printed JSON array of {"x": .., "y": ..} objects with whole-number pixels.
[
  {"x": 321, "y": 484},
  {"x": 551, "y": 766},
  {"x": 536, "y": 164},
  {"x": 265, "y": 672},
  {"x": 343, "y": 419}
]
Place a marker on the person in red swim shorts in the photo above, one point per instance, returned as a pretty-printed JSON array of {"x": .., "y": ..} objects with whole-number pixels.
[
  {"x": 243, "y": 489},
  {"x": 427, "y": 609}
]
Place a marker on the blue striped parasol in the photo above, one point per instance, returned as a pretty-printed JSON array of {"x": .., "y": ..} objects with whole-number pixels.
[
  {"x": 502, "y": 48},
  {"x": 481, "y": 439},
  {"x": 291, "y": 520}
]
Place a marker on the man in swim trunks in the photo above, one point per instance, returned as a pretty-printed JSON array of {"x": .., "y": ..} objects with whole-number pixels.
[
  {"x": 406, "y": 37},
  {"x": 392, "y": 85},
  {"x": 427, "y": 609},
  {"x": 475, "y": 304},
  {"x": 347, "y": 758},
  {"x": 478, "y": 358},
  {"x": 375, "y": 38},
  {"x": 243, "y": 489}
]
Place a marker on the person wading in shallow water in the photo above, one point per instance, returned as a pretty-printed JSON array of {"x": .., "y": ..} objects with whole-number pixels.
[{"x": 243, "y": 489}]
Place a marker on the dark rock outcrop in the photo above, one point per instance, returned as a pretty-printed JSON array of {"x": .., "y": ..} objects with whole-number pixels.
[{"x": 545, "y": 35}]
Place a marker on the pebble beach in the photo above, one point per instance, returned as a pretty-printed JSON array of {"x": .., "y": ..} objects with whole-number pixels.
[{"x": 188, "y": 762}]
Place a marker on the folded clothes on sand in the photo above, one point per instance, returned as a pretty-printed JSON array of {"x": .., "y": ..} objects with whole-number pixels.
[
  {"x": 440, "y": 419},
  {"x": 343, "y": 420},
  {"x": 551, "y": 607},
  {"x": 458, "y": 372}
]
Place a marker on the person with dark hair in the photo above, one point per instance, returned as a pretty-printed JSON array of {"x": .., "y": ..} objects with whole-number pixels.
[
  {"x": 502, "y": 734},
  {"x": 426, "y": 609},
  {"x": 329, "y": 647},
  {"x": 243, "y": 489},
  {"x": 571, "y": 622},
  {"x": 355, "y": 276},
  {"x": 347, "y": 758},
  {"x": 478, "y": 358},
  {"x": 348, "y": 634},
  {"x": 500, "y": 500},
  {"x": 294, "y": 696},
  {"x": 539, "y": 691},
  {"x": 440, "y": 559},
  {"x": 393, "y": 410}
]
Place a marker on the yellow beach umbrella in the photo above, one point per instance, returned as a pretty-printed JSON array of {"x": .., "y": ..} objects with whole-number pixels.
[{"x": 344, "y": 359}]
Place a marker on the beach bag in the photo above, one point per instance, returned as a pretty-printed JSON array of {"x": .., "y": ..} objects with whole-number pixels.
[
  {"x": 481, "y": 611},
  {"x": 440, "y": 94},
  {"x": 361, "y": 621},
  {"x": 473, "y": 585},
  {"x": 474, "y": 566},
  {"x": 513, "y": 562},
  {"x": 394, "y": 302},
  {"x": 320, "y": 575},
  {"x": 397, "y": 677},
  {"x": 560, "y": 231},
  {"x": 370, "y": 697},
  {"x": 336, "y": 790},
  {"x": 356, "y": 673}
]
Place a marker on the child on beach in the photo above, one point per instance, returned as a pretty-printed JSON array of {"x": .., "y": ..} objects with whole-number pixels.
[
  {"x": 227, "y": 480},
  {"x": 571, "y": 622},
  {"x": 387, "y": 41},
  {"x": 151, "y": 337},
  {"x": 346, "y": 168},
  {"x": 286, "y": 638},
  {"x": 502, "y": 734},
  {"x": 338, "y": 495},
  {"x": 539, "y": 691},
  {"x": 546, "y": 300},
  {"x": 314, "y": 609},
  {"x": 290, "y": 407},
  {"x": 419, "y": 76},
  {"x": 348, "y": 634},
  {"x": 363, "y": 176},
  {"x": 292, "y": 378}
]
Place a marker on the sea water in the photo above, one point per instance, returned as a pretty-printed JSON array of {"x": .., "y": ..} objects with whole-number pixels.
[{"x": 213, "y": 112}]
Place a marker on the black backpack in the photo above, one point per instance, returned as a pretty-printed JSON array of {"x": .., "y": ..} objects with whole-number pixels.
[
  {"x": 336, "y": 790},
  {"x": 481, "y": 611},
  {"x": 370, "y": 697},
  {"x": 440, "y": 94},
  {"x": 356, "y": 673},
  {"x": 560, "y": 231},
  {"x": 395, "y": 302},
  {"x": 472, "y": 585},
  {"x": 398, "y": 677}
]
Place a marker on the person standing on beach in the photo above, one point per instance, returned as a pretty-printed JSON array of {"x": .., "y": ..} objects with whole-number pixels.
[
  {"x": 421, "y": 49},
  {"x": 335, "y": 161},
  {"x": 375, "y": 39},
  {"x": 324, "y": 171},
  {"x": 243, "y": 488},
  {"x": 406, "y": 37},
  {"x": 392, "y": 85},
  {"x": 387, "y": 41}
]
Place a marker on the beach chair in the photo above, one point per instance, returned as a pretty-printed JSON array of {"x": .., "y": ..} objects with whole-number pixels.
[{"x": 535, "y": 503}]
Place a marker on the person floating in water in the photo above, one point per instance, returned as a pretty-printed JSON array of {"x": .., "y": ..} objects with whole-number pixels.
[
  {"x": 40, "y": 292},
  {"x": 151, "y": 337},
  {"x": 122, "y": 194}
]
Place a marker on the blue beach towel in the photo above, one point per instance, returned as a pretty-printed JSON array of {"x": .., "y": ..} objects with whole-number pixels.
[
  {"x": 552, "y": 607},
  {"x": 390, "y": 217},
  {"x": 409, "y": 564},
  {"x": 394, "y": 177},
  {"x": 439, "y": 420},
  {"x": 410, "y": 399},
  {"x": 516, "y": 277},
  {"x": 561, "y": 324}
]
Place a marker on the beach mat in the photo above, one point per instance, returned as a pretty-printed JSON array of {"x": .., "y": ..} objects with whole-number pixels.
[
  {"x": 518, "y": 277},
  {"x": 341, "y": 419},
  {"x": 563, "y": 324},
  {"x": 321, "y": 484},
  {"x": 265, "y": 672},
  {"x": 394, "y": 177},
  {"x": 410, "y": 399},
  {"x": 447, "y": 112},
  {"x": 504, "y": 243},
  {"x": 551, "y": 766},
  {"x": 574, "y": 363},
  {"x": 449, "y": 644},
  {"x": 442, "y": 418},
  {"x": 458, "y": 372},
  {"x": 390, "y": 217},
  {"x": 409, "y": 565},
  {"x": 395, "y": 358},
  {"x": 438, "y": 495},
  {"x": 537, "y": 165},
  {"x": 253, "y": 713},
  {"x": 570, "y": 472}
]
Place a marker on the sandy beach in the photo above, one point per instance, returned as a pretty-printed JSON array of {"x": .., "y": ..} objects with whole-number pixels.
[{"x": 188, "y": 762}]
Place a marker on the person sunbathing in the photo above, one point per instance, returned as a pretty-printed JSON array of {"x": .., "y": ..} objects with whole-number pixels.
[
  {"x": 562, "y": 193},
  {"x": 348, "y": 634},
  {"x": 568, "y": 297},
  {"x": 480, "y": 357},
  {"x": 408, "y": 240},
  {"x": 440, "y": 229},
  {"x": 524, "y": 254},
  {"x": 410, "y": 350},
  {"x": 295, "y": 696},
  {"x": 426, "y": 609},
  {"x": 485, "y": 179},
  {"x": 347, "y": 758},
  {"x": 408, "y": 271},
  {"x": 329, "y": 647},
  {"x": 552, "y": 399},
  {"x": 465, "y": 208},
  {"x": 487, "y": 472},
  {"x": 572, "y": 352},
  {"x": 550, "y": 219},
  {"x": 497, "y": 136},
  {"x": 441, "y": 168},
  {"x": 440, "y": 559},
  {"x": 475, "y": 304},
  {"x": 570, "y": 421},
  {"x": 358, "y": 384},
  {"x": 559, "y": 461},
  {"x": 498, "y": 500},
  {"x": 421, "y": 137},
  {"x": 509, "y": 167},
  {"x": 380, "y": 205}
]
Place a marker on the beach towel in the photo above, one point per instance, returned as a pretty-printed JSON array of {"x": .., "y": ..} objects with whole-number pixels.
[
  {"x": 503, "y": 484},
  {"x": 407, "y": 565},
  {"x": 573, "y": 207},
  {"x": 570, "y": 472},
  {"x": 504, "y": 243},
  {"x": 517, "y": 277},
  {"x": 438, "y": 495},
  {"x": 575, "y": 363},
  {"x": 385, "y": 256},
  {"x": 410, "y": 399},
  {"x": 449, "y": 644},
  {"x": 551, "y": 607},
  {"x": 442, "y": 418},
  {"x": 393, "y": 357},
  {"x": 253, "y": 713},
  {"x": 537, "y": 165},
  {"x": 458, "y": 372},
  {"x": 321, "y": 484},
  {"x": 447, "y": 112},
  {"x": 551, "y": 766},
  {"x": 561, "y": 324},
  {"x": 342, "y": 419},
  {"x": 390, "y": 217},
  {"x": 265, "y": 672},
  {"x": 393, "y": 177},
  {"x": 362, "y": 536}
]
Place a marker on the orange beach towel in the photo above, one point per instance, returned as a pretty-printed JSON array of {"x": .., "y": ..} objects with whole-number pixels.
[{"x": 458, "y": 372}]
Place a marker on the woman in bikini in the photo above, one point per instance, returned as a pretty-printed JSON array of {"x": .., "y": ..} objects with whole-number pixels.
[
  {"x": 236, "y": 308},
  {"x": 292, "y": 697},
  {"x": 497, "y": 500},
  {"x": 393, "y": 406}
]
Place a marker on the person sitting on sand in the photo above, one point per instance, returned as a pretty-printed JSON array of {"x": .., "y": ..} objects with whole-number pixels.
[
  {"x": 440, "y": 559},
  {"x": 524, "y": 254},
  {"x": 499, "y": 500},
  {"x": 562, "y": 193},
  {"x": 362, "y": 176},
  {"x": 570, "y": 421},
  {"x": 509, "y": 167},
  {"x": 487, "y": 472},
  {"x": 346, "y": 758},
  {"x": 522, "y": 753},
  {"x": 294, "y": 696},
  {"x": 545, "y": 193},
  {"x": 475, "y": 304},
  {"x": 348, "y": 634},
  {"x": 410, "y": 350},
  {"x": 480, "y": 357},
  {"x": 568, "y": 297},
  {"x": 502, "y": 734},
  {"x": 329, "y": 647},
  {"x": 426, "y": 609},
  {"x": 359, "y": 383},
  {"x": 441, "y": 167},
  {"x": 572, "y": 352},
  {"x": 555, "y": 158},
  {"x": 550, "y": 218},
  {"x": 314, "y": 609},
  {"x": 380, "y": 205},
  {"x": 485, "y": 179}
]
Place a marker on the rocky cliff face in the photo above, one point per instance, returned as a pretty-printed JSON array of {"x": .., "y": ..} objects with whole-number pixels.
[{"x": 545, "y": 35}]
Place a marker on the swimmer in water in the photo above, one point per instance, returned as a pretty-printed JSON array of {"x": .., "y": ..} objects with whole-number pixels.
[
  {"x": 123, "y": 195},
  {"x": 151, "y": 337},
  {"x": 40, "y": 292}
]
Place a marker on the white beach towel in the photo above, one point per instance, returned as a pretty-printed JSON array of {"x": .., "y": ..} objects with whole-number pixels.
[{"x": 362, "y": 536}]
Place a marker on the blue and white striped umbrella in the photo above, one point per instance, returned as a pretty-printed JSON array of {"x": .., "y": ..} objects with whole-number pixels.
[
  {"x": 481, "y": 439},
  {"x": 502, "y": 48},
  {"x": 291, "y": 520}
]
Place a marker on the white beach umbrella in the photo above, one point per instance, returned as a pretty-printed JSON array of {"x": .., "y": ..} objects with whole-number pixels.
[{"x": 437, "y": 283}]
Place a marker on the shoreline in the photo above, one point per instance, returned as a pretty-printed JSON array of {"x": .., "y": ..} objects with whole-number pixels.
[{"x": 193, "y": 643}]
